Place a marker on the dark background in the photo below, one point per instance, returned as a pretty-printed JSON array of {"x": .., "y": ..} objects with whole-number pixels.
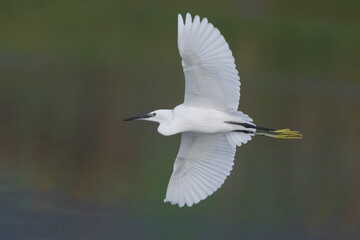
[{"x": 70, "y": 71}]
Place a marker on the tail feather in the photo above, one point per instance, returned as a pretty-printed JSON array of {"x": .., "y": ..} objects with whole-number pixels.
[{"x": 237, "y": 138}]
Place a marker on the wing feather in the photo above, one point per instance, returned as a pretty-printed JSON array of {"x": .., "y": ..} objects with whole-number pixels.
[
  {"x": 201, "y": 167},
  {"x": 211, "y": 78}
]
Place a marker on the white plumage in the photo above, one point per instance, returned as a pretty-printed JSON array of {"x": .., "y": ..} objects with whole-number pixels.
[
  {"x": 211, "y": 81},
  {"x": 211, "y": 77},
  {"x": 201, "y": 167},
  {"x": 210, "y": 124}
]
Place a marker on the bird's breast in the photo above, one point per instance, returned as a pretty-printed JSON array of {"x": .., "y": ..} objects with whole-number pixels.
[
  {"x": 191, "y": 119},
  {"x": 168, "y": 129}
]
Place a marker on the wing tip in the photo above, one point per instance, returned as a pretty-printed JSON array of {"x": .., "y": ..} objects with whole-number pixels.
[
  {"x": 197, "y": 19},
  {"x": 188, "y": 19},
  {"x": 180, "y": 20},
  {"x": 181, "y": 203}
]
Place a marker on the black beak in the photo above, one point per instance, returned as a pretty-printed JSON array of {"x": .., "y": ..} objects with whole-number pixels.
[{"x": 137, "y": 117}]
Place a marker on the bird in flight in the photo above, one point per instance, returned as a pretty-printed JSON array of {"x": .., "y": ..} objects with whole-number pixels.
[{"x": 209, "y": 121}]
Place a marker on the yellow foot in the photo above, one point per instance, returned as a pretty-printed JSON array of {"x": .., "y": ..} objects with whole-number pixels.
[
  {"x": 283, "y": 134},
  {"x": 287, "y": 134}
]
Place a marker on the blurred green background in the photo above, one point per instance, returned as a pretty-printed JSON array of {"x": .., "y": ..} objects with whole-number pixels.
[{"x": 70, "y": 71}]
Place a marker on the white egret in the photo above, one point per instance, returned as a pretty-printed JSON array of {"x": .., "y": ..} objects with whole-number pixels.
[{"x": 210, "y": 125}]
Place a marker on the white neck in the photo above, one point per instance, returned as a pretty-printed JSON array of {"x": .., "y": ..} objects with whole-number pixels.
[{"x": 165, "y": 118}]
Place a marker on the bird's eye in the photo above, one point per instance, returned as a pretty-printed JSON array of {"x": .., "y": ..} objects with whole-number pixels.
[{"x": 154, "y": 114}]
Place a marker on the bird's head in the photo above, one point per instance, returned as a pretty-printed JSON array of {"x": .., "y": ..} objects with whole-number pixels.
[{"x": 160, "y": 116}]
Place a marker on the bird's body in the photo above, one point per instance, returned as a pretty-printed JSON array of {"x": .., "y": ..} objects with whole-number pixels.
[
  {"x": 209, "y": 120},
  {"x": 196, "y": 119}
]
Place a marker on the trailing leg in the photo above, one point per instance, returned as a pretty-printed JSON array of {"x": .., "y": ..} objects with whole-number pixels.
[{"x": 268, "y": 132}]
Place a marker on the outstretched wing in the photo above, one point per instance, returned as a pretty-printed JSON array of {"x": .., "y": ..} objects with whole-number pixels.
[
  {"x": 201, "y": 167},
  {"x": 211, "y": 78}
]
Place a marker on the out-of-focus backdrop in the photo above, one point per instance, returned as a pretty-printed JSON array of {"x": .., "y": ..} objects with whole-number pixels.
[{"x": 70, "y": 71}]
